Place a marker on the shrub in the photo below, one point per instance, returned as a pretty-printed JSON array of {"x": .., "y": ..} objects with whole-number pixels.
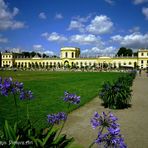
[{"x": 118, "y": 94}]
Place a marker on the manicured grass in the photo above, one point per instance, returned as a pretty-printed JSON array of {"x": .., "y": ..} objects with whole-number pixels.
[{"x": 48, "y": 89}]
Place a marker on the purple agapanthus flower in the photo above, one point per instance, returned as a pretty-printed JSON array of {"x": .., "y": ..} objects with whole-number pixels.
[
  {"x": 112, "y": 137},
  {"x": 106, "y": 120},
  {"x": 56, "y": 118},
  {"x": 26, "y": 95},
  {"x": 8, "y": 86},
  {"x": 71, "y": 98}
]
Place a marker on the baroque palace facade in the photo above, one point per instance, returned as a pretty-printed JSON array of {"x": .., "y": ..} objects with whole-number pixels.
[{"x": 71, "y": 56}]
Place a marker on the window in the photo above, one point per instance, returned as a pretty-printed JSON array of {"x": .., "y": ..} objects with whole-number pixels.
[
  {"x": 141, "y": 61},
  {"x": 124, "y": 63},
  {"x": 147, "y": 53},
  {"x": 142, "y": 54},
  {"x": 147, "y": 61},
  {"x": 72, "y": 55},
  {"x": 66, "y": 54},
  {"x": 130, "y": 63}
]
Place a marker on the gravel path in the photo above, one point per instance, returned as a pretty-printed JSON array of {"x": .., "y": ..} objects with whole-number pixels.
[{"x": 133, "y": 121}]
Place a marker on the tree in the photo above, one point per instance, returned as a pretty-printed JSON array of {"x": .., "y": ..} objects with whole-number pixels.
[{"x": 124, "y": 52}]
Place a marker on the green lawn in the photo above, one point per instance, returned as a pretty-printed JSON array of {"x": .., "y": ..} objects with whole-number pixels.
[{"x": 48, "y": 89}]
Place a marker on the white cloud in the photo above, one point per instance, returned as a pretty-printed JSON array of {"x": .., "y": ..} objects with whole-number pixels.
[
  {"x": 74, "y": 24},
  {"x": 15, "y": 50},
  {"x": 100, "y": 25},
  {"x": 117, "y": 38},
  {"x": 134, "y": 40},
  {"x": 37, "y": 46},
  {"x": 82, "y": 19},
  {"x": 58, "y": 16},
  {"x": 140, "y": 1},
  {"x": 3, "y": 39},
  {"x": 134, "y": 29},
  {"x": 86, "y": 39},
  {"x": 54, "y": 37},
  {"x": 7, "y": 20},
  {"x": 111, "y": 2},
  {"x": 145, "y": 12},
  {"x": 40, "y": 49},
  {"x": 49, "y": 52},
  {"x": 42, "y": 15},
  {"x": 99, "y": 51}
]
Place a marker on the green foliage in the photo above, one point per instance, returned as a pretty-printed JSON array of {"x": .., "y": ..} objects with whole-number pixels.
[
  {"x": 9, "y": 133},
  {"x": 43, "y": 138},
  {"x": 124, "y": 52},
  {"x": 118, "y": 94}
]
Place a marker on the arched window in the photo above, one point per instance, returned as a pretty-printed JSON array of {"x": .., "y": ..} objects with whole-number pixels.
[{"x": 130, "y": 63}]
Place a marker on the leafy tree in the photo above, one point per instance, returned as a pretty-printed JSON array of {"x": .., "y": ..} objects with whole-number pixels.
[{"x": 124, "y": 52}]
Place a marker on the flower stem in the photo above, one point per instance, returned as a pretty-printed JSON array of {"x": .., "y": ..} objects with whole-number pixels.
[
  {"x": 27, "y": 111},
  {"x": 96, "y": 138},
  {"x": 16, "y": 106},
  {"x": 64, "y": 121}
]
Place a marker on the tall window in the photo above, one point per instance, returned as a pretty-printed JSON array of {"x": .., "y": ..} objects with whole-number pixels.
[
  {"x": 72, "y": 55},
  {"x": 141, "y": 61},
  {"x": 66, "y": 54},
  {"x": 142, "y": 54}
]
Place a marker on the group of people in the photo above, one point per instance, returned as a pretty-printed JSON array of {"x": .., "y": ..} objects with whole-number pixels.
[{"x": 140, "y": 71}]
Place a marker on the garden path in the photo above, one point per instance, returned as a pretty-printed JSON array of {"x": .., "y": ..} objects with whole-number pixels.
[{"x": 133, "y": 121}]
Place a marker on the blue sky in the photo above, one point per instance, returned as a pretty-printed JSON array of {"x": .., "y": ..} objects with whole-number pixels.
[{"x": 96, "y": 26}]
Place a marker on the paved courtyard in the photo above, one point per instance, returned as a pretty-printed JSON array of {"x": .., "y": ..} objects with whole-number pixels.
[{"x": 133, "y": 121}]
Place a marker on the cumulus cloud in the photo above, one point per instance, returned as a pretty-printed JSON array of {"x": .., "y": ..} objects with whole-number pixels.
[
  {"x": 7, "y": 20},
  {"x": 77, "y": 23},
  {"x": 58, "y": 16},
  {"x": 140, "y": 1},
  {"x": 99, "y": 51},
  {"x": 3, "y": 39},
  {"x": 74, "y": 24},
  {"x": 42, "y": 15},
  {"x": 145, "y": 12},
  {"x": 54, "y": 37},
  {"x": 86, "y": 39},
  {"x": 100, "y": 25},
  {"x": 134, "y": 40}
]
